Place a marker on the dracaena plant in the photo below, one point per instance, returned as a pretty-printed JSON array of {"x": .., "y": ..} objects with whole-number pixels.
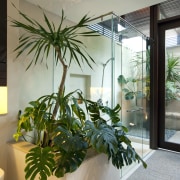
[{"x": 64, "y": 131}]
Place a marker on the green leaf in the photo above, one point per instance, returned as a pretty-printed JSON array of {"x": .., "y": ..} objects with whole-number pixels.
[
  {"x": 125, "y": 156},
  {"x": 112, "y": 113},
  {"x": 122, "y": 80},
  {"x": 129, "y": 96},
  {"x": 78, "y": 111},
  {"x": 40, "y": 162},
  {"x": 69, "y": 162},
  {"x": 38, "y": 40},
  {"x": 102, "y": 138},
  {"x": 69, "y": 142}
]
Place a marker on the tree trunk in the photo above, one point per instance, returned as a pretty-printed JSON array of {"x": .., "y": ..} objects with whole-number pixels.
[{"x": 62, "y": 83}]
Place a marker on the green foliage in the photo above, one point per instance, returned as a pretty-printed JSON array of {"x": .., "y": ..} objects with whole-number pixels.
[
  {"x": 172, "y": 77},
  {"x": 171, "y": 90},
  {"x": 38, "y": 116},
  {"x": 173, "y": 68},
  {"x": 129, "y": 87},
  {"x": 75, "y": 130},
  {"x": 171, "y": 83},
  {"x": 101, "y": 137},
  {"x": 125, "y": 156},
  {"x": 39, "y": 40},
  {"x": 65, "y": 130},
  {"x": 122, "y": 80},
  {"x": 68, "y": 161},
  {"x": 40, "y": 161},
  {"x": 70, "y": 149}
]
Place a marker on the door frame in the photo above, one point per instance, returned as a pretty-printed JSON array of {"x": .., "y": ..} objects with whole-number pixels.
[{"x": 162, "y": 27}]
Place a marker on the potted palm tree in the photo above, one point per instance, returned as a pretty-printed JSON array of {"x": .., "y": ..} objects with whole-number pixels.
[{"x": 64, "y": 131}]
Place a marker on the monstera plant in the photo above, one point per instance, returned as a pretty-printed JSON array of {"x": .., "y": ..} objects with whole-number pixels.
[{"x": 64, "y": 130}]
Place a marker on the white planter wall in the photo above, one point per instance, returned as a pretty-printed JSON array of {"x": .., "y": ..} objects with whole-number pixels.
[{"x": 96, "y": 168}]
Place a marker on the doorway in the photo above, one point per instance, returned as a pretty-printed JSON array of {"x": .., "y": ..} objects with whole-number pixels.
[{"x": 169, "y": 85}]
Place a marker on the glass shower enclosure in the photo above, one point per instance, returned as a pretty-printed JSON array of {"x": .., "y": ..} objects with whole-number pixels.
[
  {"x": 124, "y": 76},
  {"x": 121, "y": 75}
]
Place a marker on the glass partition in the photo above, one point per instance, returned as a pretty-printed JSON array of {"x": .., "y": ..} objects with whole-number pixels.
[
  {"x": 124, "y": 76},
  {"x": 132, "y": 74},
  {"x": 120, "y": 75}
]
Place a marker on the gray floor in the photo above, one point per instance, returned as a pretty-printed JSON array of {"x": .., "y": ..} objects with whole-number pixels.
[
  {"x": 142, "y": 132},
  {"x": 162, "y": 165}
]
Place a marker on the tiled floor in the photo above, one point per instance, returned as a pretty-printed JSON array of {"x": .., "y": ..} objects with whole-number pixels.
[{"x": 142, "y": 148}]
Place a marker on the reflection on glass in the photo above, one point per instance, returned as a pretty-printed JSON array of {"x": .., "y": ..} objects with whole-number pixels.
[
  {"x": 134, "y": 83},
  {"x": 172, "y": 86},
  {"x": 124, "y": 77}
]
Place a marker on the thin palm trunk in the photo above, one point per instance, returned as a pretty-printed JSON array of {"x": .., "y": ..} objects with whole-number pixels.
[
  {"x": 62, "y": 82},
  {"x": 60, "y": 92}
]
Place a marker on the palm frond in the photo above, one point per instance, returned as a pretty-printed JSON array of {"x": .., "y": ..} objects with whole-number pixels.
[{"x": 38, "y": 39}]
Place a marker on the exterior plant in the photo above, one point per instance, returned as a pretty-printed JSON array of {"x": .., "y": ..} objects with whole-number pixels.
[
  {"x": 64, "y": 130},
  {"x": 171, "y": 83},
  {"x": 172, "y": 77},
  {"x": 129, "y": 85},
  {"x": 137, "y": 87}
]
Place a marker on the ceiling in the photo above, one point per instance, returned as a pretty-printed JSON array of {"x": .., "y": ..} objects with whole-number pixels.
[{"x": 76, "y": 9}]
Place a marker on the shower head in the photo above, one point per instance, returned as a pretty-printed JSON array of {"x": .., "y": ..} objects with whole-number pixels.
[{"x": 108, "y": 61}]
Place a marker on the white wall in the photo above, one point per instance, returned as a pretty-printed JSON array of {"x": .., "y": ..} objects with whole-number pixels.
[
  {"x": 99, "y": 48},
  {"x": 97, "y": 167},
  {"x": 23, "y": 85},
  {"x": 7, "y": 122}
]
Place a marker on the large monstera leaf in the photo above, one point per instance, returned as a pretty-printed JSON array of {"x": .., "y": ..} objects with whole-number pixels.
[
  {"x": 69, "y": 141},
  {"x": 96, "y": 112},
  {"x": 125, "y": 156},
  {"x": 69, "y": 161},
  {"x": 40, "y": 162},
  {"x": 71, "y": 151},
  {"x": 101, "y": 137}
]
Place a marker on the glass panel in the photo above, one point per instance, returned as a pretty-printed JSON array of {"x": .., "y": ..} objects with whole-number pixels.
[
  {"x": 132, "y": 85},
  {"x": 123, "y": 76},
  {"x": 101, "y": 82},
  {"x": 172, "y": 91}
]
